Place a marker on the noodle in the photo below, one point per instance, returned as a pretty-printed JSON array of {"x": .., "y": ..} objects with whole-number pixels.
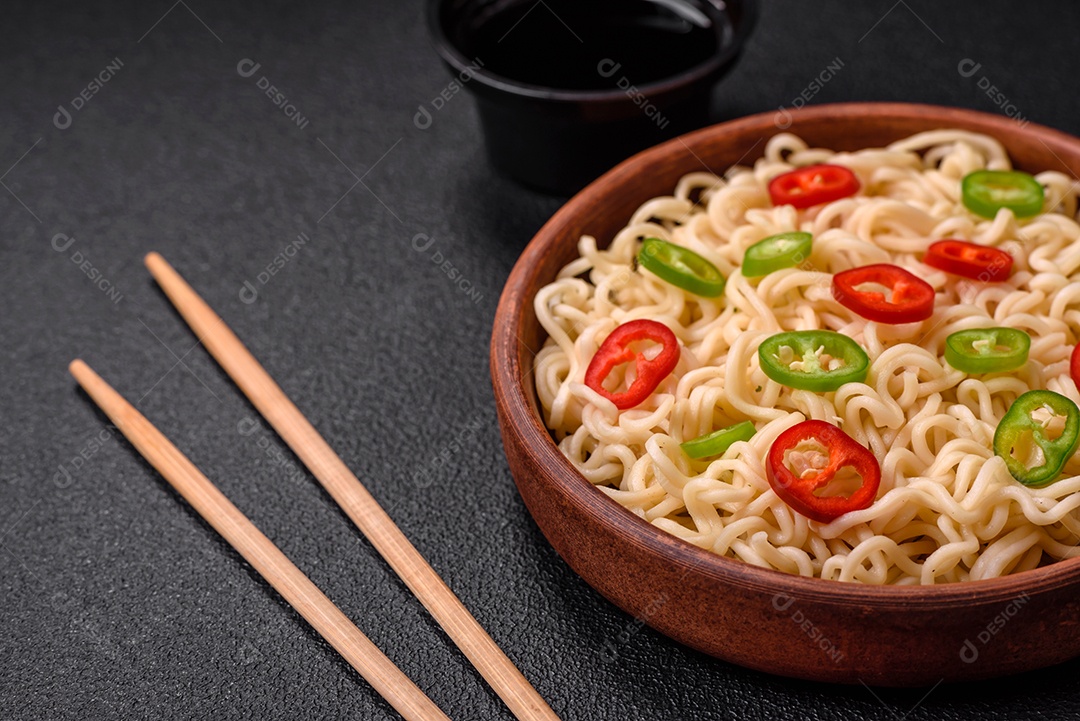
[{"x": 947, "y": 509}]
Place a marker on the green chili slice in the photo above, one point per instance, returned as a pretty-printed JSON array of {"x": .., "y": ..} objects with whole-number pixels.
[
  {"x": 776, "y": 252},
  {"x": 681, "y": 267},
  {"x": 1037, "y": 435},
  {"x": 717, "y": 442},
  {"x": 984, "y": 192},
  {"x": 987, "y": 350},
  {"x": 813, "y": 360}
]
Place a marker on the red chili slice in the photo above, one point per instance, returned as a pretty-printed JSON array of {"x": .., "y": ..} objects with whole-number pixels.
[
  {"x": 970, "y": 260},
  {"x": 912, "y": 297},
  {"x": 797, "y": 489},
  {"x": 615, "y": 350},
  {"x": 813, "y": 185},
  {"x": 1074, "y": 365}
]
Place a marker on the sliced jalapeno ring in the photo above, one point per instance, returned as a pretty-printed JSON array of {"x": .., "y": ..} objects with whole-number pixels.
[
  {"x": 717, "y": 442},
  {"x": 987, "y": 350},
  {"x": 985, "y": 192},
  {"x": 813, "y": 360},
  {"x": 681, "y": 267},
  {"x": 776, "y": 252},
  {"x": 1037, "y": 435}
]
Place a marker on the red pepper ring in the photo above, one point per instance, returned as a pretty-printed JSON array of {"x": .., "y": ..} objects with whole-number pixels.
[
  {"x": 970, "y": 260},
  {"x": 912, "y": 297},
  {"x": 798, "y": 490},
  {"x": 616, "y": 350},
  {"x": 1074, "y": 365},
  {"x": 813, "y": 185}
]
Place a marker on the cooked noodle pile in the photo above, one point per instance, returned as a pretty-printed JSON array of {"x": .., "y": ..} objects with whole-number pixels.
[{"x": 947, "y": 509}]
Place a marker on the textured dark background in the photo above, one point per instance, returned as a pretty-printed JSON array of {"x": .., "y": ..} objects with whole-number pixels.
[{"x": 116, "y": 601}]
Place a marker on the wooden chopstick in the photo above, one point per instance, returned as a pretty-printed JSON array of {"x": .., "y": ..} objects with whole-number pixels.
[
  {"x": 349, "y": 493},
  {"x": 259, "y": 551}
]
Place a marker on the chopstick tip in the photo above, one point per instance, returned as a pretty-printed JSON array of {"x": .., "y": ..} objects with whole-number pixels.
[
  {"x": 78, "y": 368},
  {"x": 157, "y": 264}
]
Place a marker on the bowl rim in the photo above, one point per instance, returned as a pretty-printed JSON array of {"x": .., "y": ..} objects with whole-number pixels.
[
  {"x": 507, "y": 345},
  {"x": 510, "y": 87}
]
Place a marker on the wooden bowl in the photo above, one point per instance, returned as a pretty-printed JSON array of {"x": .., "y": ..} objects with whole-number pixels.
[{"x": 764, "y": 619}]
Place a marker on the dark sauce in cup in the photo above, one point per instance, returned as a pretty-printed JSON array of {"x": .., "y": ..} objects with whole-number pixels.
[
  {"x": 593, "y": 44},
  {"x": 565, "y": 89}
]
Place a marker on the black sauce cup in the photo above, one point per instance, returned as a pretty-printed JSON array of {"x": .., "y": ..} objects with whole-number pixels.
[{"x": 557, "y": 139}]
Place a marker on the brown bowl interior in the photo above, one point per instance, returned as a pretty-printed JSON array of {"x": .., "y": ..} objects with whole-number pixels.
[{"x": 763, "y": 619}]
